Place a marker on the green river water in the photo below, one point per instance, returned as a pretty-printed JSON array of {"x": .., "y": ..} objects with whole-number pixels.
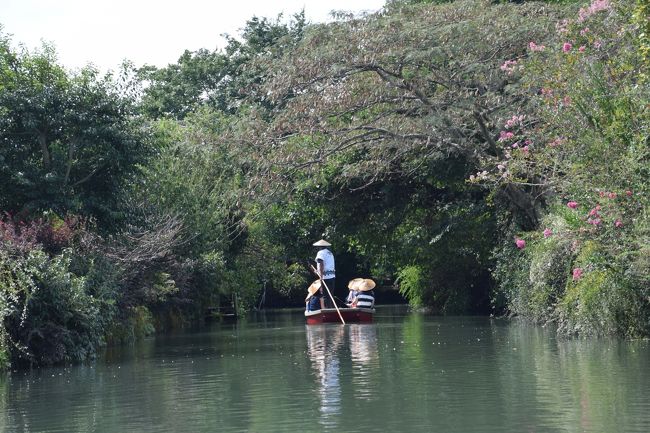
[{"x": 404, "y": 373}]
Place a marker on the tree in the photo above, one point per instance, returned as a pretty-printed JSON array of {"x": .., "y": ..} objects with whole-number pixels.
[
  {"x": 219, "y": 79},
  {"x": 68, "y": 140},
  {"x": 379, "y": 120}
]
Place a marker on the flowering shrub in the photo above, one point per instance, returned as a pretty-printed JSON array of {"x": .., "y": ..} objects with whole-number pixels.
[
  {"x": 49, "y": 232},
  {"x": 52, "y": 309},
  {"x": 584, "y": 142}
]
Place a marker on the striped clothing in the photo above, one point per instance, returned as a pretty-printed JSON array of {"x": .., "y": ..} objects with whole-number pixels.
[{"x": 365, "y": 300}]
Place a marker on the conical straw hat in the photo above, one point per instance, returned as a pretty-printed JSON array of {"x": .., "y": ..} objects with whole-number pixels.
[
  {"x": 322, "y": 243},
  {"x": 365, "y": 285},
  {"x": 315, "y": 286},
  {"x": 352, "y": 285}
]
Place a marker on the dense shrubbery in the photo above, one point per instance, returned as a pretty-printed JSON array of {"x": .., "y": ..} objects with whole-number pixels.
[
  {"x": 583, "y": 143},
  {"x": 49, "y": 313}
]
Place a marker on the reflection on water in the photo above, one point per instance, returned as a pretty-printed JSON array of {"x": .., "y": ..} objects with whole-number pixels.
[
  {"x": 323, "y": 344},
  {"x": 404, "y": 373},
  {"x": 365, "y": 359}
]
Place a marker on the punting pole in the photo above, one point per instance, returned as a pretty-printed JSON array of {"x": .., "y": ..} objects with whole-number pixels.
[{"x": 328, "y": 292}]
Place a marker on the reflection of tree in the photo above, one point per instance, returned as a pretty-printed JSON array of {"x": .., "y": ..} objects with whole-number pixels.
[
  {"x": 323, "y": 343},
  {"x": 365, "y": 358},
  {"x": 593, "y": 385}
]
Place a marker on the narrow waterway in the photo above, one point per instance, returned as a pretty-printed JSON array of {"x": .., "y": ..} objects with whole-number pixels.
[{"x": 405, "y": 373}]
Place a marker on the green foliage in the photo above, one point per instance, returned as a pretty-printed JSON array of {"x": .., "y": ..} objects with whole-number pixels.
[
  {"x": 601, "y": 302},
  {"x": 588, "y": 76},
  {"x": 379, "y": 122},
  {"x": 642, "y": 19},
  {"x": 70, "y": 141},
  {"x": 220, "y": 79},
  {"x": 50, "y": 316},
  {"x": 412, "y": 284},
  {"x": 136, "y": 323}
]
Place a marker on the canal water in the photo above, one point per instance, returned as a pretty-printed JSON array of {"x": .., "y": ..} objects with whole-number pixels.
[{"x": 407, "y": 372}]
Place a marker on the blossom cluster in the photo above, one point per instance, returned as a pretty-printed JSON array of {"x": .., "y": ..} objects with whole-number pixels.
[
  {"x": 596, "y": 6},
  {"x": 534, "y": 47},
  {"x": 514, "y": 121},
  {"x": 509, "y": 66}
]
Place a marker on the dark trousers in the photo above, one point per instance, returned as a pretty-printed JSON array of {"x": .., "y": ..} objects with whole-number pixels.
[{"x": 331, "y": 284}]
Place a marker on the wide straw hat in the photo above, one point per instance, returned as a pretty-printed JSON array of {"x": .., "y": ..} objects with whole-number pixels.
[
  {"x": 352, "y": 285},
  {"x": 365, "y": 285},
  {"x": 361, "y": 284},
  {"x": 322, "y": 243},
  {"x": 315, "y": 286}
]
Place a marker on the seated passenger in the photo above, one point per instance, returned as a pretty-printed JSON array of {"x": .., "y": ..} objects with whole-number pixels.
[
  {"x": 365, "y": 300},
  {"x": 365, "y": 297},
  {"x": 314, "y": 299},
  {"x": 352, "y": 296}
]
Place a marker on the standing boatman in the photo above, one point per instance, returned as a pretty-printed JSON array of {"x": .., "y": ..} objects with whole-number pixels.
[{"x": 325, "y": 266}]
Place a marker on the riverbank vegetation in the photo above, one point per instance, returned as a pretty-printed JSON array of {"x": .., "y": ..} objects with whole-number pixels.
[{"x": 480, "y": 157}]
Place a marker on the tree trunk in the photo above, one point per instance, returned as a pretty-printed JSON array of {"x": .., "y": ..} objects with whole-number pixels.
[
  {"x": 524, "y": 202},
  {"x": 47, "y": 158}
]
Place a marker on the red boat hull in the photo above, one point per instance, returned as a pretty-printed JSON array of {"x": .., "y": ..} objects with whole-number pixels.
[{"x": 329, "y": 315}]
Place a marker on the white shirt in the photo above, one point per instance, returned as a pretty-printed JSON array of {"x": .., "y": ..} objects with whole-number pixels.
[{"x": 328, "y": 263}]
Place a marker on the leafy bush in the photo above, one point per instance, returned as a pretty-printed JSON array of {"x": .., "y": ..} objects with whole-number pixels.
[
  {"x": 412, "y": 285},
  {"x": 133, "y": 324},
  {"x": 580, "y": 141},
  {"x": 50, "y": 317},
  {"x": 600, "y": 301}
]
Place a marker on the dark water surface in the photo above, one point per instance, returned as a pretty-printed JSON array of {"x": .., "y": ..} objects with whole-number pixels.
[{"x": 404, "y": 373}]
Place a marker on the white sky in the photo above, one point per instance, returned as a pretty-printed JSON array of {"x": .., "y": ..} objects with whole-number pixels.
[{"x": 155, "y": 32}]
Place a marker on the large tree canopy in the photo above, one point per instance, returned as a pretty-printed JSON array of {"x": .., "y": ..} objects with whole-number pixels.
[
  {"x": 400, "y": 90},
  {"x": 68, "y": 140},
  {"x": 219, "y": 79}
]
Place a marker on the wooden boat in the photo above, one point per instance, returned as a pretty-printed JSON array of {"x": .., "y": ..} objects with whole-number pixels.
[{"x": 350, "y": 315}]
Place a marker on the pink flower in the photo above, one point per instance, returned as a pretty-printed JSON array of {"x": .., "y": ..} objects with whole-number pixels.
[
  {"x": 509, "y": 66},
  {"x": 525, "y": 149},
  {"x": 566, "y": 47},
  {"x": 628, "y": 193},
  {"x": 548, "y": 232},
  {"x": 558, "y": 141},
  {"x": 521, "y": 244},
  {"x": 577, "y": 274},
  {"x": 582, "y": 48},
  {"x": 602, "y": 193},
  {"x": 594, "y": 211},
  {"x": 597, "y": 44},
  {"x": 596, "y": 6},
  {"x": 612, "y": 195},
  {"x": 572, "y": 204},
  {"x": 584, "y": 31},
  {"x": 594, "y": 222},
  {"x": 505, "y": 135},
  {"x": 515, "y": 145},
  {"x": 561, "y": 27},
  {"x": 534, "y": 47},
  {"x": 618, "y": 223},
  {"x": 514, "y": 121}
]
